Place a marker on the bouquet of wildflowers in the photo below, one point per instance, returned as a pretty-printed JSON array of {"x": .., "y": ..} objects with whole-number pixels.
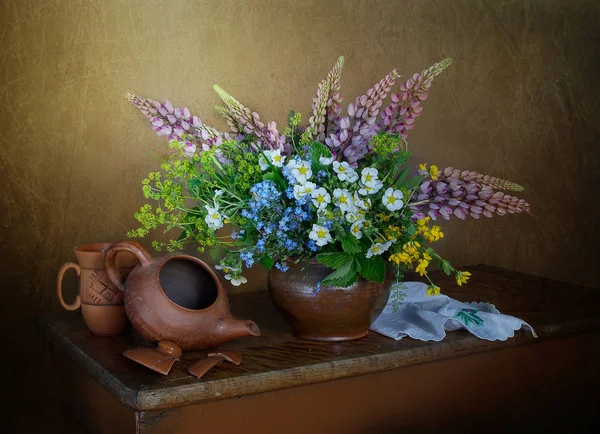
[{"x": 338, "y": 189}]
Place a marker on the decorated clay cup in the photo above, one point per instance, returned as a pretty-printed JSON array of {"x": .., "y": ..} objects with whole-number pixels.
[{"x": 100, "y": 301}]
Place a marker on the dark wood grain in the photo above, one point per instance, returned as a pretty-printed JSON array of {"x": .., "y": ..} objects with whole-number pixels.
[{"x": 277, "y": 360}]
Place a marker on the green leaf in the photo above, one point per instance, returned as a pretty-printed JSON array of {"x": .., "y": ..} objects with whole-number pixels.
[
  {"x": 411, "y": 229},
  {"x": 343, "y": 276},
  {"x": 267, "y": 262},
  {"x": 402, "y": 176},
  {"x": 372, "y": 268},
  {"x": 318, "y": 150},
  {"x": 215, "y": 253},
  {"x": 334, "y": 260},
  {"x": 350, "y": 244},
  {"x": 276, "y": 177},
  {"x": 445, "y": 266},
  {"x": 413, "y": 182}
]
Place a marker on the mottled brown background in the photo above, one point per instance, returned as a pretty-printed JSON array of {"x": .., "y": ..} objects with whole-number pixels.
[{"x": 521, "y": 102}]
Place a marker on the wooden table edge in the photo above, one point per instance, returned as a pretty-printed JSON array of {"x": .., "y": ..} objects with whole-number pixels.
[{"x": 161, "y": 399}]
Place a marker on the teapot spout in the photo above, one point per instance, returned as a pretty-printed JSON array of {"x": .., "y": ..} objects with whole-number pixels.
[{"x": 237, "y": 328}]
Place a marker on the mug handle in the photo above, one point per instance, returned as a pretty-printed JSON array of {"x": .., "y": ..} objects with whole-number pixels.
[
  {"x": 110, "y": 257},
  {"x": 75, "y": 305}
]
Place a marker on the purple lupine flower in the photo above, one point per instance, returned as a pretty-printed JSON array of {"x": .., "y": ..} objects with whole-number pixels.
[
  {"x": 363, "y": 114},
  {"x": 399, "y": 116},
  {"x": 326, "y": 107},
  {"x": 448, "y": 196},
  {"x": 467, "y": 175},
  {"x": 176, "y": 123},
  {"x": 242, "y": 120}
]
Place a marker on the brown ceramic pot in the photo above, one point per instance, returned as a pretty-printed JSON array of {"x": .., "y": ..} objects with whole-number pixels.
[
  {"x": 332, "y": 313},
  {"x": 101, "y": 302},
  {"x": 177, "y": 299}
]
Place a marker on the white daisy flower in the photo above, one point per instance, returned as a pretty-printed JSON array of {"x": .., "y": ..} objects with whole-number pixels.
[
  {"x": 353, "y": 217},
  {"x": 236, "y": 280},
  {"x": 302, "y": 172},
  {"x": 320, "y": 235},
  {"x": 320, "y": 197},
  {"x": 342, "y": 170},
  {"x": 301, "y": 190},
  {"x": 392, "y": 199},
  {"x": 344, "y": 200},
  {"x": 361, "y": 203},
  {"x": 370, "y": 189},
  {"x": 368, "y": 176},
  {"x": 355, "y": 230},
  {"x": 262, "y": 162},
  {"x": 351, "y": 175},
  {"x": 213, "y": 219},
  {"x": 325, "y": 161},
  {"x": 225, "y": 269},
  {"x": 378, "y": 248},
  {"x": 293, "y": 163},
  {"x": 277, "y": 159}
]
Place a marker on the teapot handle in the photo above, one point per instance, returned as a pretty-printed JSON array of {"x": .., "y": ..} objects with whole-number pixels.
[{"x": 124, "y": 246}]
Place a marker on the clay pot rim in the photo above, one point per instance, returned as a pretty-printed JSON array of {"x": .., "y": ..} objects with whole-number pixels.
[
  {"x": 99, "y": 248},
  {"x": 203, "y": 265}
]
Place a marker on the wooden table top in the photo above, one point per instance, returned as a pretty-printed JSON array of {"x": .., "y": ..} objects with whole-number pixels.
[{"x": 278, "y": 360}]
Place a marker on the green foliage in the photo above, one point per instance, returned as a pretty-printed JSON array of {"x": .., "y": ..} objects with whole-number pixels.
[
  {"x": 318, "y": 150},
  {"x": 372, "y": 268},
  {"x": 334, "y": 260},
  {"x": 386, "y": 145},
  {"x": 350, "y": 244},
  {"x": 267, "y": 262},
  {"x": 344, "y": 276}
]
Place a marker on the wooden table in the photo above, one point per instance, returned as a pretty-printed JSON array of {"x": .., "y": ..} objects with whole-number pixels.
[{"x": 374, "y": 384}]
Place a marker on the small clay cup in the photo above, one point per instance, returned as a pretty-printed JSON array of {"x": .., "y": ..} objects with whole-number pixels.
[
  {"x": 96, "y": 290},
  {"x": 104, "y": 320}
]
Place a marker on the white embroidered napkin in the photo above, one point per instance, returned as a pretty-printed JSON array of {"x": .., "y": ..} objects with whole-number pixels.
[{"x": 427, "y": 318}]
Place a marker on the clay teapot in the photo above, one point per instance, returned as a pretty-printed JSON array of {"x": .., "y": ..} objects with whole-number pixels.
[{"x": 178, "y": 299}]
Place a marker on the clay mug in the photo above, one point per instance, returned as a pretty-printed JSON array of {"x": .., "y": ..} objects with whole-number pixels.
[
  {"x": 100, "y": 301},
  {"x": 177, "y": 298}
]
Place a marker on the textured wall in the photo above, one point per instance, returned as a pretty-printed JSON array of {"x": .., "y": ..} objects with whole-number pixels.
[{"x": 521, "y": 102}]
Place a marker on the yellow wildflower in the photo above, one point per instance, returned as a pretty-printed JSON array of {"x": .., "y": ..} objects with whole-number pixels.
[
  {"x": 422, "y": 267},
  {"x": 433, "y": 290},
  {"x": 383, "y": 217},
  {"x": 432, "y": 234},
  {"x": 401, "y": 258},
  {"x": 423, "y": 221},
  {"x": 393, "y": 232},
  {"x": 426, "y": 256},
  {"x": 462, "y": 277},
  {"x": 433, "y": 170}
]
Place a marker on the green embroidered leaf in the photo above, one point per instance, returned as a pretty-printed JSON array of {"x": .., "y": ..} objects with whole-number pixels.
[
  {"x": 334, "y": 260},
  {"x": 372, "y": 268},
  {"x": 469, "y": 317},
  {"x": 398, "y": 294},
  {"x": 318, "y": 150},
  {"x": 350, "y": 244},
  {"x": 343, "y": 276}
]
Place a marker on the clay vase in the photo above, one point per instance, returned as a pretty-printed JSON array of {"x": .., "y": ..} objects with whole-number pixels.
[
  {"x": 100, "y": 301},
  {"x": 331, "y": 313},
  {"x": 177, "y": 299}
]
